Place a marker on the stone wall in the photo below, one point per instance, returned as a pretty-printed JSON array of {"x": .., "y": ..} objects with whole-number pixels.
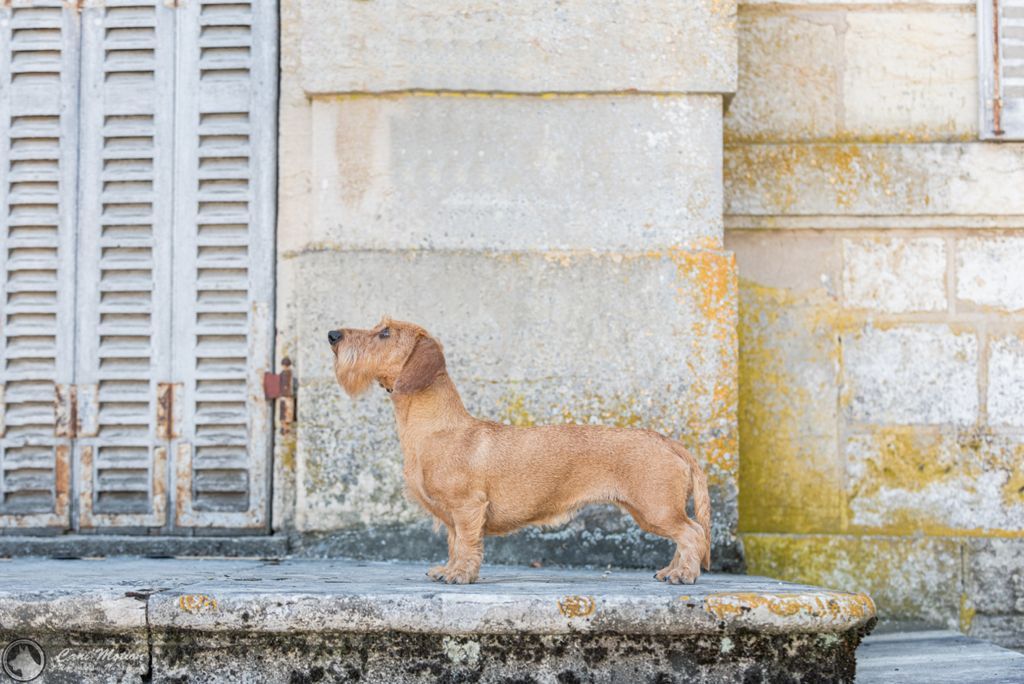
[
  {"x": 881, "y": 261},
  {"x": 538, "y": 184}
]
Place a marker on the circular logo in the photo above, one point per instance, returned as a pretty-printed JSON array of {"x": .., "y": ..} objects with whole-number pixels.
[{"x": 23, "y": 660}]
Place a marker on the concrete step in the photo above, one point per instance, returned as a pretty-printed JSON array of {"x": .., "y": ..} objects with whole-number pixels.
[
  {"x": 935, "y": 657},
  {"x": 329, "y": 620}
]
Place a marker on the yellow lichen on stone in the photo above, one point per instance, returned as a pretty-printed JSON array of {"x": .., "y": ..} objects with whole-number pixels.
[
  {"x": 834, "y": 606},
  {"x": 196, "y": 603},
  {"x": 967, "y": 612},
  {"x": 789, "y": 478}
]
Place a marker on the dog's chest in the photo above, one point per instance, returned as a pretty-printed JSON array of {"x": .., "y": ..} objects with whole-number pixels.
[{"x": 415, "y": 485}]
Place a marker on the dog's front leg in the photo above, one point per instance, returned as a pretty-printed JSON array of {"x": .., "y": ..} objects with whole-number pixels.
[
  {"x": 464, "y": 565},
  {"x": 438, "y": 572}
]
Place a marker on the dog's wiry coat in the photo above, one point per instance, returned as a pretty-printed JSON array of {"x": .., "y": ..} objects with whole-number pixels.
[{"x": 478, "y": 477}]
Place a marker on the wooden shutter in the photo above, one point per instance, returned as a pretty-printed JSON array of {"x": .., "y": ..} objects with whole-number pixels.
[
  {"x": 1001, "y": 49},
  {"x": 224, "y": 259},
  {"x": 124, "y": 262},
  {"x": 38, "y": 72}
]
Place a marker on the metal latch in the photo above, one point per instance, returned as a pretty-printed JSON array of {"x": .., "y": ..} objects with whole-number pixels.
[{"x": 277, "y": 385}]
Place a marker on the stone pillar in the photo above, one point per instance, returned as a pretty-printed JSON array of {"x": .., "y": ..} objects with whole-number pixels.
[{"x": 539, "y": 185}]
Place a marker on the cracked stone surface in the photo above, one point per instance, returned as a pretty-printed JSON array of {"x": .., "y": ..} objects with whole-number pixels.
[{"x": 310, "y": 620}]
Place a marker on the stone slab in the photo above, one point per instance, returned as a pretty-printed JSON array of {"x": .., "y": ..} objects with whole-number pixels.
[
  {"x": 527, "y": 46},
  {"x": 94, "y": 546},
  {"x": 880, "y": 179},
  {"x": 506, "y": 173},
  {"x": 935, "y": 657},
  {"x": 302, "y": 620}
]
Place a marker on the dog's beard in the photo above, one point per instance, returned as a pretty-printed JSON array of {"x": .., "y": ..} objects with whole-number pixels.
[{"x": 352, "y": 376}]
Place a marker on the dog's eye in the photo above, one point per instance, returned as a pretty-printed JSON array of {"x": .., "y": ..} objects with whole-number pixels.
[{"x": 384, "y": 334}]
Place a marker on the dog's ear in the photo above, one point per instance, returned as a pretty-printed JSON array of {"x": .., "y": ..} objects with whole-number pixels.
[{"x": 422, "y": 367}]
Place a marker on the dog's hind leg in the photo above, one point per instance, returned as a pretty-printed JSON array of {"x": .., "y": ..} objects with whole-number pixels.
[
  {"x": 438, "y": 572},
  {"x": 674, "y": 524},
  {"x": 464, "y": 564}
]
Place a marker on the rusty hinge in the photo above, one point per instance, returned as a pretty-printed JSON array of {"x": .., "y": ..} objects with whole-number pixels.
[
  {"x": 277, "y": 385},
  {"x": 166, "y": 409},
  {"x": 65, "y": 406}
]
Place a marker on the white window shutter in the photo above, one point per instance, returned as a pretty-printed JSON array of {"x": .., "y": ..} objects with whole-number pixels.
[
  {"x": 1001, "y": 59},
  {"x": 224, "y": 259},
  {"x": 38, "y": 128},
  {"x": 124, "y": 262}
]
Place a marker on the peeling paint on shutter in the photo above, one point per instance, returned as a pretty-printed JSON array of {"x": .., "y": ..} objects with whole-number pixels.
[
  {"x": 124, "y": 261},
  {"x": 1001, "y": 51},
  {"x": 224, "y": 260},
  {"x": 38, "y": 127}
]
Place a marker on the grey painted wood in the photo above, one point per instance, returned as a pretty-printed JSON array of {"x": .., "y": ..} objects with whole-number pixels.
[
  {"x": 38, "y": 142},
  {"x": 223, "y": 260},
  {"x": 158, "y": 185},
  {"x": 1010, "y": 70},
  {"x": 124, "y": 261}
]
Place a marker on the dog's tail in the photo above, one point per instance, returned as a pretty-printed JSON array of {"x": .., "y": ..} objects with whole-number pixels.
[{"x": 701, "y": 498}]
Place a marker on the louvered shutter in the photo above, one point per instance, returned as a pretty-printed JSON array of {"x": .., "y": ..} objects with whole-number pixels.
[
  {"x": 38, "y": 72},
  {"x": 124, "y": 262},
  {"x": 223, "y": 259},
  {"x": 1001, "y": 42}
]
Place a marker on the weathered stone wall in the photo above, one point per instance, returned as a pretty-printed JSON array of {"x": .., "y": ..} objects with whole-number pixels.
[
  {"x": 540, "y": 185},
  {"x": 881, "y": 260}
]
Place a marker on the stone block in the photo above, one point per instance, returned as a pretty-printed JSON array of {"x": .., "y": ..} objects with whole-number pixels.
[
  {"x": 790, "y": 477},
  {"x": 990, "y": 272},
  {"x": 803, "y": 263},
  {"x": 491, "y": 173},
  {"x": 876, "y": 179},
  {"x": 529, "y": 46},
  {"x": 908, "y": 578},
  {"x": 895, "y": 275},
  {"x": 788, "y": 79},
  {"x": 910, "y": 74},
  {"x": 1006, "y": 381},
  {"x": 907, "y": 480},
  {"x": 910, "y": 375},
  {"x": 1005, "y": 630},
  {"x": 994, "y": 578},
  {"x": 531, "y": 338}
]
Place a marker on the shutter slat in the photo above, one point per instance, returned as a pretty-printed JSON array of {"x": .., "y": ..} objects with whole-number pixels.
[
  {"x": 227, "y": 63},
  {"x": 125, "y": 260},
  {"x": 38, "y": 141}
]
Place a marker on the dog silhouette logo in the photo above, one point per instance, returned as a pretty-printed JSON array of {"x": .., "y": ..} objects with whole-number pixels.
[{"x": 23, "y": 660}]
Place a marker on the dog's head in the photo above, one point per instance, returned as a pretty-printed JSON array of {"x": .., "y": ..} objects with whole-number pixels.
[{"x": 400, "y": 356}]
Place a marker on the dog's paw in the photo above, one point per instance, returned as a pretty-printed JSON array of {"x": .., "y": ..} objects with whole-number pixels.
[
  {"x": 437, "y": 572},
  {"x": 460, "y": 576},
  {"x": 677, "y": 575}
]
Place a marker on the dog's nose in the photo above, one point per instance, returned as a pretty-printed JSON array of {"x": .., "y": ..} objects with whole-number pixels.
[{"x": 334, "y": 336}]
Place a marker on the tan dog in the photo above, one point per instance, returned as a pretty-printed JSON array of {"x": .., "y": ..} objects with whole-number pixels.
[{"x": 479, "y": 477}]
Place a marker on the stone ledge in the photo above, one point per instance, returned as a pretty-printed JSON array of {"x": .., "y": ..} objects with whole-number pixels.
[
  {"x": 386, "y": 621},
  {"x": 935, "y": 656}
]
